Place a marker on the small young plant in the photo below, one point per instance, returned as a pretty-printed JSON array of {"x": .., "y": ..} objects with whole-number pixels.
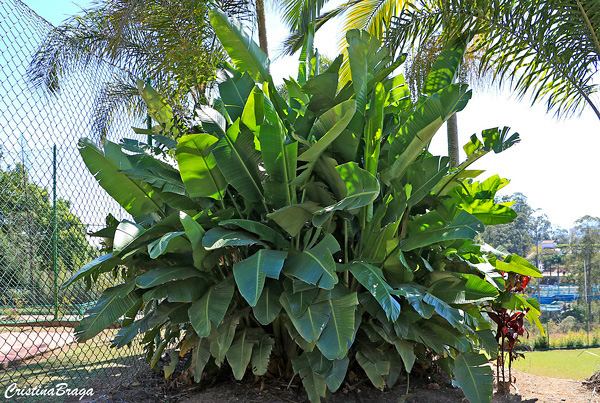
[
  {"x": 12, "y": 313},
  {"x": 508, "y": 313}
]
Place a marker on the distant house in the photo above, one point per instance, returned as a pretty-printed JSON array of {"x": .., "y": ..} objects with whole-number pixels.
[{"x": 548, "y": 244}]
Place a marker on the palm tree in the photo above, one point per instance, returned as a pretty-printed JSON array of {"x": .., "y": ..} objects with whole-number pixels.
[
  {"x": 170, "y": 42},
  {"x": 262, "y": 27},
  {"x": 549, "y": 49}
]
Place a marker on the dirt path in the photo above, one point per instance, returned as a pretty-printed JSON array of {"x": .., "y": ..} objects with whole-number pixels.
[{"x": 534, "y": 388}]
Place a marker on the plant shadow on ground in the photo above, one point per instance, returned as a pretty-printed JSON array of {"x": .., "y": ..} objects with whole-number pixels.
[
  {"x": 81, "y": 365},
  {"x": 220, "y": 386}
]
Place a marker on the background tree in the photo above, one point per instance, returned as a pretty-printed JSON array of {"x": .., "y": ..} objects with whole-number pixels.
[
  {"x": 169, "y": 42},
  {"x": 561, "y": 236},
  {"x": 551, "y": 260},
  {"x": 26, "y": 239},
  {"x": 541, "y": 229},
  {"x": 517, "y": 236},
  {"x": 585, "y": 258}
]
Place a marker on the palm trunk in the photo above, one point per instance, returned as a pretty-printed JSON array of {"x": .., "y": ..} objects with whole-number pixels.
[
  {"x": 262, "y": 29},
  {"x": 452, "y": 125}
]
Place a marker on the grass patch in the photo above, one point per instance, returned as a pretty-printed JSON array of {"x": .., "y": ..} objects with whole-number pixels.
[{"x": 563, "y": 364}]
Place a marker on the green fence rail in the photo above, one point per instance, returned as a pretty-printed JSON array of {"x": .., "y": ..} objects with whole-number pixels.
[{"x": 49, "y": 204}]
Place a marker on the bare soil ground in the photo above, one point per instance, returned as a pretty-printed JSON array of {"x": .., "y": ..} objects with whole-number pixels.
[
  {"x": 150, "y": 387},
  {"x": 534, "y": 388}
]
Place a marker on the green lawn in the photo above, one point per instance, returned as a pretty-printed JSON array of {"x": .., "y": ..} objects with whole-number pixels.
[{"x": 564, "y": 364}]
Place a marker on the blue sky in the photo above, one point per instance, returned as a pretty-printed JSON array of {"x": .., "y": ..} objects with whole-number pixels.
[{"x": 556, "y": 164}]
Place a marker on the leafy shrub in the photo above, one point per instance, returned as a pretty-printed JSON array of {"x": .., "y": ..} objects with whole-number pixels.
[
  {"x": 578, "y": 312},
  {"x": 299, "y": 237},
  {"x": 568, "y": 323},
  {"x": 595, "y": 338},
  {"x": 12, "y": 310},
  {"x": 540, "y": 342},
  {"x": 509, "y": 318}
]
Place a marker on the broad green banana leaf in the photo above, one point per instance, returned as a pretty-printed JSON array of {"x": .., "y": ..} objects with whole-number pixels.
[
  {"x": 268, "y": 306},
  {"x": 420, "y": 127},
  {"x": 169, "y": 242},
  {"x": 311, "y": 323},
  {"x": 315, "y": 266},
  {"x": 134, "y": 196},
  {"x": 113, "y": 303},
  {"x": 163, "y": 275},
  {"x": 244, "y": 52},
  {"x": 372, "y": 279},
  {"x": 362, "y": 188},
  {"x": 264, "y": 232},
  {"x": 211, "y": 307},
  {"x": 199, "y": 171},
  {"x": 329, "y": 126},
  {"x": 158, "y": 107},
  {"x": 314, "y": 384},
  {"x": 431, "y": 228},
  {"x": 250, "y": 273},
  {"x": 338, "y": 334},
  {"x": 239, "y": 354},
  {"x": 474, "y": 375},
  {"x": 238, "y": 161},
  {"x": 261, "y": 354},
  {"x": 100, "y": 264},
  {"x": 219, "y": 237},
  {"x": 375, "y": 364}
]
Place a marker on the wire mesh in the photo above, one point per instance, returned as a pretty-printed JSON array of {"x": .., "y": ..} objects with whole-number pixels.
[{"x": 49, "y": 203}]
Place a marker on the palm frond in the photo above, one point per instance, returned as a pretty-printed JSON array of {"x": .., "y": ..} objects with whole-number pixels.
[
  {"x": 170, "y": 42},
  {"x": 294, "y": 41},
  {"x": 547, "y": 49},
  {"x": 297, "y": 14},
  {"x": 373, "y": 16},
  {"x": 79, "y": 43},
  {"x": 119, "y": 95},
  {"x": 422, "y": 57}
]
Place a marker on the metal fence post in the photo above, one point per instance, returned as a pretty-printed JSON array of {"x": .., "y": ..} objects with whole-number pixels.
[
  {"x": 149, "y": 119},
  {"x": 54, "y": 234}
]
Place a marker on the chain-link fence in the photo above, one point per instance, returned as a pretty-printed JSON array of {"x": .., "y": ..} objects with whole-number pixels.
[{"x": 49, "y": 203}]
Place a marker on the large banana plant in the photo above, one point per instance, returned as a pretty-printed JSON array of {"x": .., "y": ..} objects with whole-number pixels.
[{"x": 305, "y": 236}]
